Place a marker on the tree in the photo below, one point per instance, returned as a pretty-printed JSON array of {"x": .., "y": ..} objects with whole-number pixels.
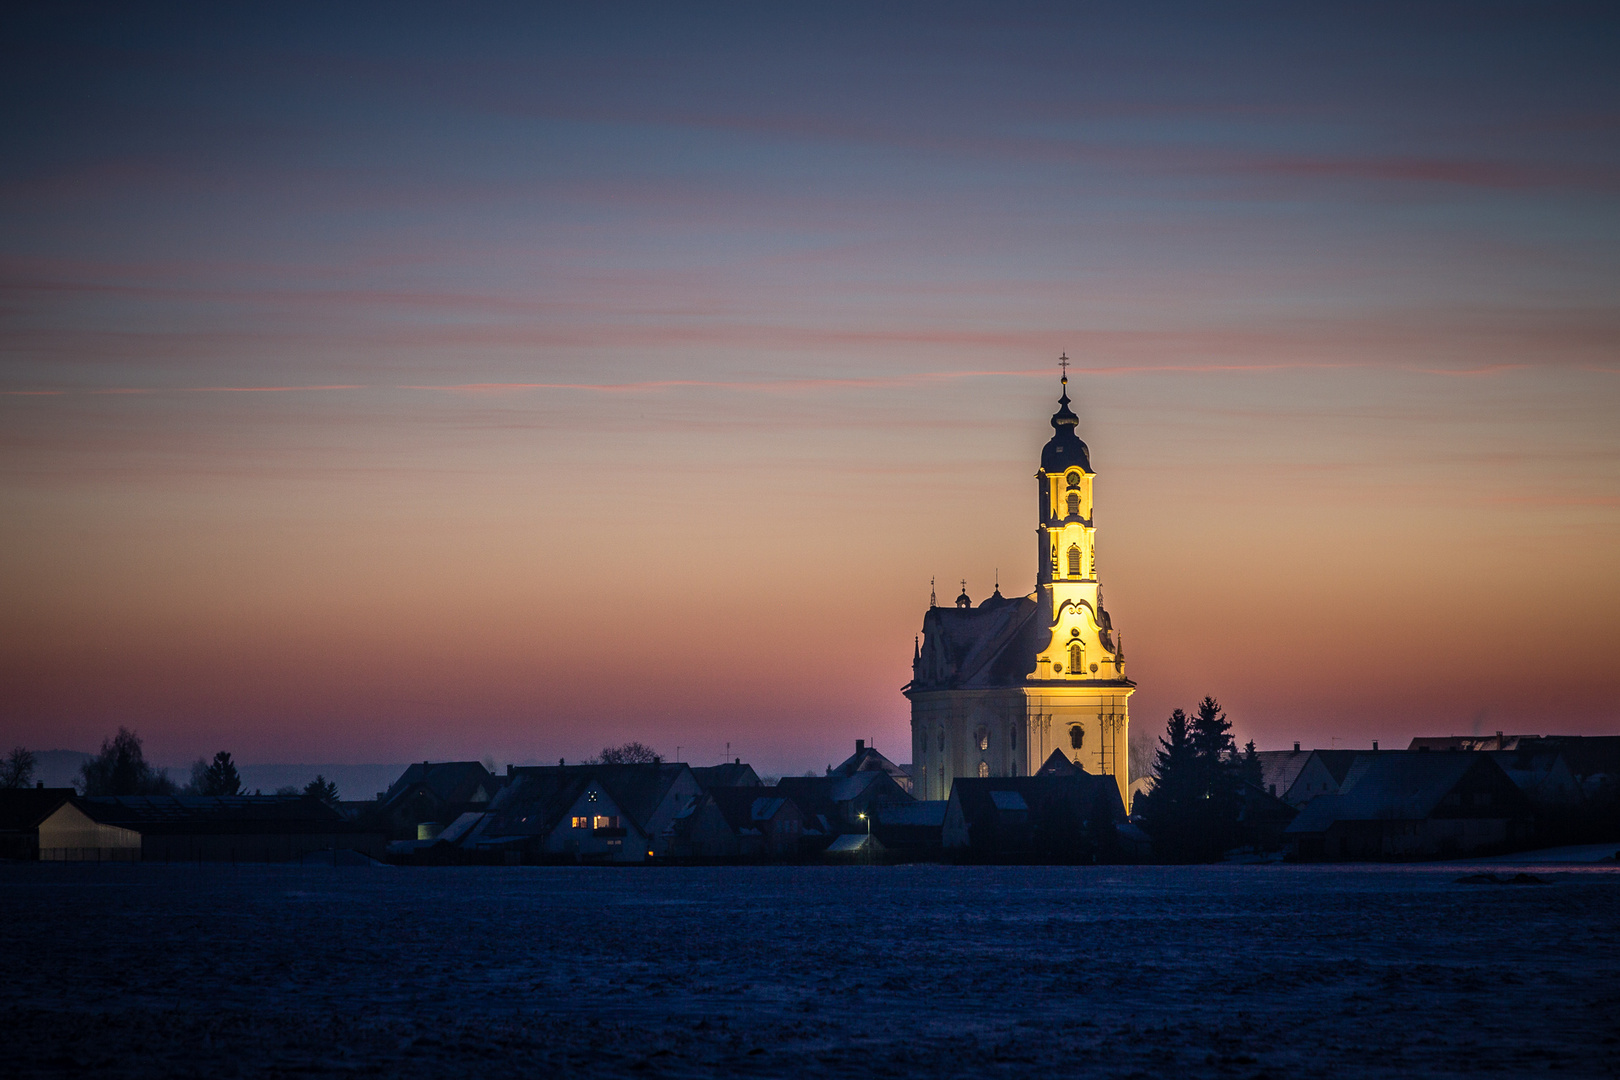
[
  {"x": 630, "y": 753},
  {"x": 1169, "y": 805},
  {"x": 219, "y": 778},
  {"x": 1249, "y": 768},
  {"x": 322, "y": 789},
  {"x": 1192, "y": 808},
  {"x": 121, "y": 769},
  {"x": 17, "y": 771}
]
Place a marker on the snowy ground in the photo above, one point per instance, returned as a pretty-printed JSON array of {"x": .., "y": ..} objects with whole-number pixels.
[{"x": 1244, "y": 971}]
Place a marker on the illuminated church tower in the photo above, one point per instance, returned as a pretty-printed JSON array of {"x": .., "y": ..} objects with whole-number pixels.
[{"x": 999, "y": 688}]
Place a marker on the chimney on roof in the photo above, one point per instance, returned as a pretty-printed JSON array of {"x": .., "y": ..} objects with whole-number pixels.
[
  {"x": 508, "y": 768},
  {"x": 39, "y": 784},
  {"x": 737, "y": 761},
  {"x": 560, "y": 763},
  {"x": 860, "y": 744},
  {"x": 1296, "y": 748},
  {"x": 1375, "y": 744},
  {"x": 1499, "y": 743}
]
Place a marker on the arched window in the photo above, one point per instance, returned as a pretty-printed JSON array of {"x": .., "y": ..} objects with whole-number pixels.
[
  {"x": 1077, "y": 658},
  {"x": 1074, "y": 505},
  {"x": 1077, "y": 736},
  {"x": 984, "y": 770},
  {"x": 982, "y": 737},
  {"x": 1074, "y": 560}
]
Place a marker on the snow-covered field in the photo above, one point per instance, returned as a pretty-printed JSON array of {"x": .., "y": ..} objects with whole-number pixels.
[{"x": 1277, "y": 971}]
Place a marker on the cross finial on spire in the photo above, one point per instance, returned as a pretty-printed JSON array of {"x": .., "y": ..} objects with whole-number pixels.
[
  {"x": 932, "y": 600},
  {"x": 1063, "y": 362}
]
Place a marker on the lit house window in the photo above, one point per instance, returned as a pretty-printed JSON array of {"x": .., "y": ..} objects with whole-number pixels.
[
  {"x": 604, "y": 821},
  {"x": 1074, "y": 504},
  {"x": 1074, "y": 561},
  {"x": 580, "y": 823}
]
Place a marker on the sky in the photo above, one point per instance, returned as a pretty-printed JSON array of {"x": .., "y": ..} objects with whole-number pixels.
[{"x": 383, "y": 383}]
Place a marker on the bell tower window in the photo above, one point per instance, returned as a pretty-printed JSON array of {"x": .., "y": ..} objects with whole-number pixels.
[
  {"x": 1077, "y": 658},
  {"x": 1074, "y": 560},
  {"x": 1074, "y": 504}
]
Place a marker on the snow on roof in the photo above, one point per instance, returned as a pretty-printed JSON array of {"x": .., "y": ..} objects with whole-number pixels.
[{"x": 1008, "y": 800}]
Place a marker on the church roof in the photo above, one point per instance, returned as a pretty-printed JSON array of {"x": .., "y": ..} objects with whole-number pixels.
[{"x": 979, "y": 647}]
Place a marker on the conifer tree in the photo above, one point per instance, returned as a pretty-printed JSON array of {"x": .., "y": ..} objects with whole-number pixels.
[
  {"x": 219, "y": 778},
  {"x": 322, "y": 789},
  {"x": 1192, "y": 809}
]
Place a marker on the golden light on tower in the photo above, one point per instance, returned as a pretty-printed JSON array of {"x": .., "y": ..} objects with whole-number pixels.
[{"x": 999, "y": 688}]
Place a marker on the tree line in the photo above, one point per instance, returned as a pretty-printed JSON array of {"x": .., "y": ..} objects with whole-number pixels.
[{"x": 121, "y": 768}]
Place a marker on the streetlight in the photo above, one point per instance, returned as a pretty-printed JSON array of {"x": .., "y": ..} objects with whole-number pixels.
[{"x": 868, "y": 821}]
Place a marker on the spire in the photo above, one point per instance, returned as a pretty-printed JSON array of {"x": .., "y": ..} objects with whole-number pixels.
[
  {"x": 933, "y": 601},
  {"x": 1064, "y": 417},
  {"x": 963, "y": 601}
]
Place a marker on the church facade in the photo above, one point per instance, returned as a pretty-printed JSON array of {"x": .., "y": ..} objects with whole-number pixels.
[{"x": 997, "y": 688}]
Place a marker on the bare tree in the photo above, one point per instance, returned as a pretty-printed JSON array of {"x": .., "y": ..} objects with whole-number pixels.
[
  {"x": 121, "y": 769},
  {"x": 630, "y": 753},
  {"x": 17, "y": 770}
]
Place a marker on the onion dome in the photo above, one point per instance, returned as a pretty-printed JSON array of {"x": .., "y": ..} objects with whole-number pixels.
[{"x": 1065, "y": 448}]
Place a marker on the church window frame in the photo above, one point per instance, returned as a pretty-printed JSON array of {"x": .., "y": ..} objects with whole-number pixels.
[
  {"x": 1077, "y": 658},
  {"x": 984, "y": 770},
  {"x": 1077, "y": 737},
  {"x": 1074, "y": 560},
  {"x": 1074, "y": 504}
]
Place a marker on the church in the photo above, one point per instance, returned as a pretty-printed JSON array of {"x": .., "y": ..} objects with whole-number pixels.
[{"x": 997, "y": 689}]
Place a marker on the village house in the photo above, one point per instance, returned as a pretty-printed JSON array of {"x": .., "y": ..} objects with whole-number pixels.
[
  {"x": 431, "y": 794},
  {"x": 1297, "y": 776},
  {"x": 21, "y": 811},
  {"x": 1050, "y": 817},
  {"x": 583, "y": 813},
  {"x": 1414, "y": 804},
  {"x": 833, "y": 805},
  {"x": 738, "y": 822},
  {"x": 726, "y": 774},
  {"x": 913, "y": 831},
  {"x": 195, "y": 828},
  {"x": 867, "y": 759}
]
